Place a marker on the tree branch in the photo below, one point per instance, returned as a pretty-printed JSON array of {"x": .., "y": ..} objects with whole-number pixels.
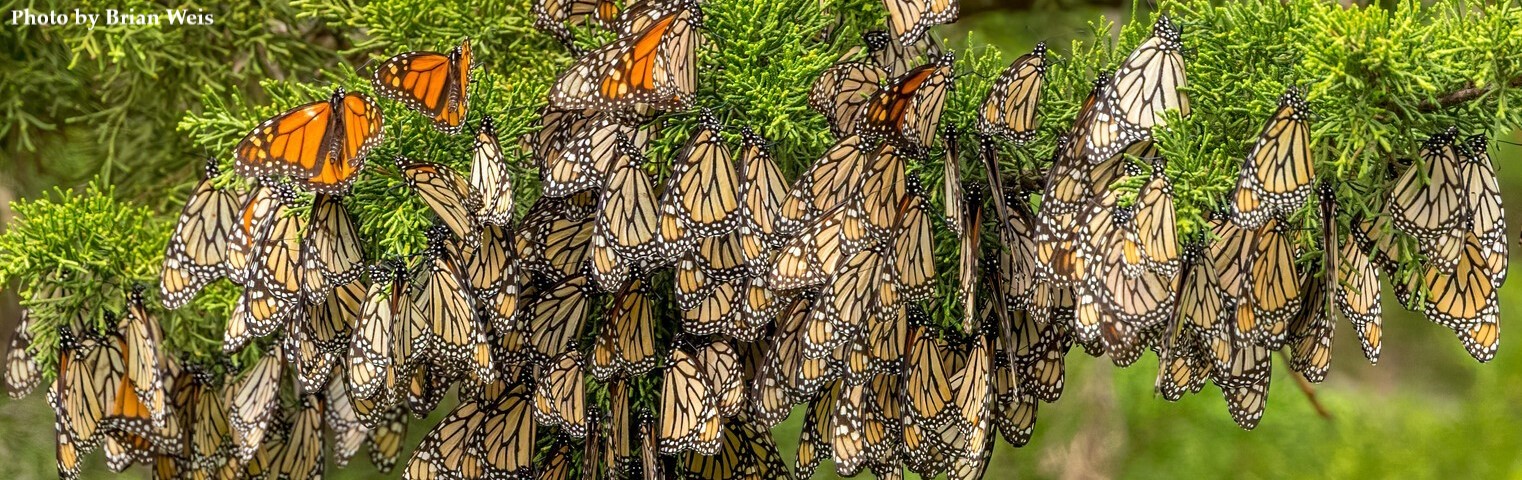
[{"x": 1463, "y": 95}]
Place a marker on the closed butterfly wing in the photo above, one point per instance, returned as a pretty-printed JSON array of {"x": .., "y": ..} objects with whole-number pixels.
[
  {"x": 198, "y": 246},
  {"x": 1009, "y": 110}
]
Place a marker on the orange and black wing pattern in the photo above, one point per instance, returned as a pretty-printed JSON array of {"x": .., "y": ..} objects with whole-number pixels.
[
  {"x": 321, "y": 144},
  {"x": 652, "y": 67},
  {"x": 909, "y": 109},
  {"x": 432, "y": 83}
]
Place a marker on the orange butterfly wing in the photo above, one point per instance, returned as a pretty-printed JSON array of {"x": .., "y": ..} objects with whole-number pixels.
[
  {"x": 313, "y": 144},
  {"x": 429, "y": 82}
]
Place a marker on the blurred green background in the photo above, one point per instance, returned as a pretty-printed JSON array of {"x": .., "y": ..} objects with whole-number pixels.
[{"x": 1426, "y": 411}]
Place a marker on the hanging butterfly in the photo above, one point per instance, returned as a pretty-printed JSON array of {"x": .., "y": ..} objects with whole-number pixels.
[
  {"x": 702, "y": 195},
  {"x": 448, "y": 332},
  {"x": 625, "y": 236},
  {"x": 272, "y": 290},
  {"x": 321, "y": 145},
  {"x": 447, "y": 193},
  {"x": 652, "y": 67},
  {"x": 1009, "y": 110},
  {"x": 831, "y": 181},
  {"x": 1484, "y": 200},
  {"x": 762, "y": 188},
  {"x": 625, "y": 343},
  {"x": 1276, "y": 177},
  {"x": 252, "y": 403},
  {"x": 840, "y": 92},
  {"x": 560, "y": 398},
  {"x": 331, "y": 251},
  {"x": 909, "y": 108},
  {"x": 490, "y": 178},
  {"x": 689, "y": 419},
  {"x": 198, "y": 246},
  {"x": 434, "y": 84},
  {"x": 22, "y": 373}
]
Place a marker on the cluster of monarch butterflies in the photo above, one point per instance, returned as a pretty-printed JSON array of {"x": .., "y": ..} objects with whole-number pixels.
[{"x": 807, "y": 292}]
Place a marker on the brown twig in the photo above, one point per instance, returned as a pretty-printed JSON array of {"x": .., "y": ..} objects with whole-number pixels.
[
  {"x": 1308, "y": 390},
  {"x": 1466, "y": 94}
]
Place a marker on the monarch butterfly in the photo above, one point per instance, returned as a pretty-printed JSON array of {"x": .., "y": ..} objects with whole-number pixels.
[
  {"x": 339, "y": 415},
  {"x": 560, "y": 396},
  {"x": 1098, "y": 134},
  {"x": 198, "y": 247},
  {"x": 910, "y": 20},
  {"x": 375, "y": 355},
  {"x": 1310, "y": 330},
  {"x": 1484, "y": 200},
  {"x": 1245, "y": 384},
  {"x": 317, "y": 342},
  {"x": 762, "y": 187},
  {"x": 927, "y": 392},
  {"x": 627, "y": 219},
  {"x": 1014, "y": 411},
  {"x": 882, "y": 190},
  {"x": 1151, "y": 80},
  {"x": 851, "y": 296},
  {"x": 1197, "y": 314},
  {"x": 22, "y": 374},
  {"x": 253, "y": 402},
  {"x": 1358, "y": 295},
  {"x": 431, "y": 83},
  {"x": 817, "y": 253},
  {"x": 1009, "y": 110},
  {"x": 447, "y": 193},
  {"x": 1275, "y": 289},
  {"x": 426, "y": 386},
  {"x": 1128, "y": 299},
  {"x": 721, "y": 363},
  {"x": 971, "y": 238},
  {"x": 447, "y": 330},
  {"x": 1429, "y": 202},
  {"x": 653, "y": 66},
  {"x": 300, "y": 456},
  {"x": 203, "y": 413},
  {"x": 813, "y": 440},
  {"x": 909, "y": 109},
  {"x": 272, "y": 292},
  {"x": 142, "y": 344},
  {"x": 555, "y": 235},
  {"x": 1464, "y": 299},
  {"x": 1069, "y": 187},
  {"x": 553, "y": 16},
  {"x": 489, "y": 176},
  {"x": 1276, "y": 177},
  {"x": 771, "y": 398},
  {"x": 625, "y": 343},
  {"x": 840, "y": 92},
  {"x": 252, "y": 214},
  {"x": 703, "y": 192},
  {"x": 322, "y": 144},
  {"x": 714, "y": 308},
  {"x": 860, "y": 436},
  {"x": 952, "y": 178},
  {"x": 556, "y": 315},
  {"x": 1156, "y": 222},
  {"x": 689, "y": 407},
  {"x": 330, "y": 248},
  {"x": 971, "y": 389},
  {"x": 87, "y": 388},
  {"x": 757, "y": 307},
  {"x": 262, "y": 463},
  {"x": 384, "y": 442},
  {"x": 493, "y": 434},
  {"x": 581, "y": 150},
  {"x": 913, "y": 247},
  {"x": 745, "y": 451},
  {"x": 493, "y": 272},
  {"x": 831, "y": 181}
]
